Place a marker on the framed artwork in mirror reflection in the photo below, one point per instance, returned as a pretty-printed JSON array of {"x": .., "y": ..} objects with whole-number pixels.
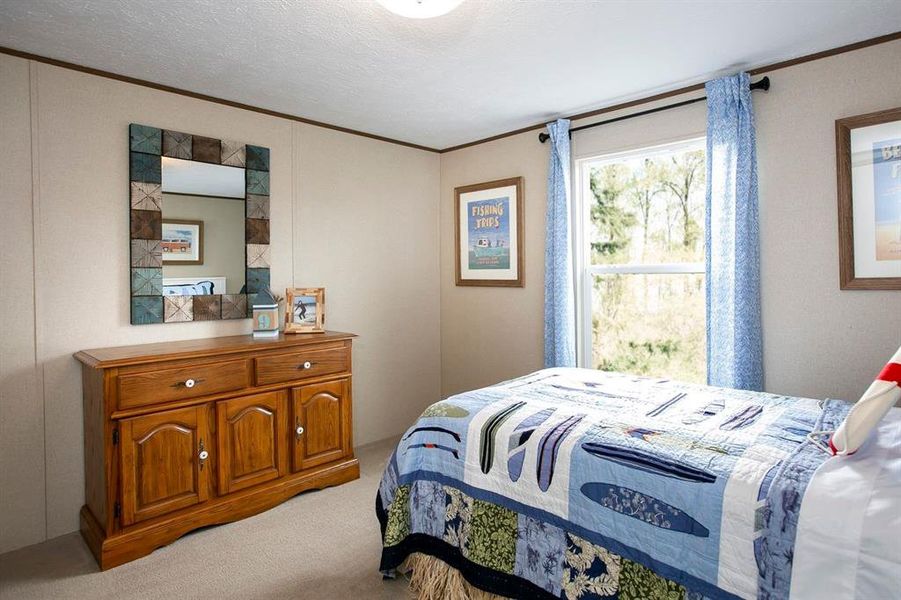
[{"x": 182, "y": 242}]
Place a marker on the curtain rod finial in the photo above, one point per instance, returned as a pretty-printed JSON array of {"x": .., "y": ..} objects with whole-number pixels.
[
  {"x": 763, "y": 84},
  {"x": 543, "y": 137}
]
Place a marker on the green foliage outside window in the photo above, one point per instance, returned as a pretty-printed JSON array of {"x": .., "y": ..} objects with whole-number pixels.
[{"x": 649, "y": 210}]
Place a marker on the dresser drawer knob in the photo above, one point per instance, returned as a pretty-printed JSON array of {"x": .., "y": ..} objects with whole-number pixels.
[
  {"x": 188, "y": 383},
  {"x": 307, "y": 365}
]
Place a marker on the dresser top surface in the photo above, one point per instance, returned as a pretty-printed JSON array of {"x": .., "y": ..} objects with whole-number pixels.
[{"x": 120, "y": 356}]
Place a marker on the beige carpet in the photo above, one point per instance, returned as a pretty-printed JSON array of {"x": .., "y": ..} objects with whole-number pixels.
[{"x": 323, "y": 544}]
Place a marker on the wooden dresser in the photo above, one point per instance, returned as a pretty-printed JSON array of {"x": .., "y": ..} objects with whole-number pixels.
[{"x": 180, "y": 435}]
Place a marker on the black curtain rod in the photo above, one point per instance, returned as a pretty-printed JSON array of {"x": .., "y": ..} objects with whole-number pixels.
[{"x": 763, "y": 84}]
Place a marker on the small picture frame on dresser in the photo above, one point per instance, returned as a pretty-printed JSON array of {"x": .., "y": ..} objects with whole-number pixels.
[{"x": 305, "y": 310}]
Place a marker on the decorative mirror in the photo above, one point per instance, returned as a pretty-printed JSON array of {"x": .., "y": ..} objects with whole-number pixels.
[{"x": 199, "y": 226}]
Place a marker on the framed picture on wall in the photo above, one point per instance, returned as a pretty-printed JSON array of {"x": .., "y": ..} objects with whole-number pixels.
[
  {"x": 182, "y": 242},
  {"x": 868, "y": 153},
  {"x": 305, "y": 310},
  {"x": 489, "y": 233}
]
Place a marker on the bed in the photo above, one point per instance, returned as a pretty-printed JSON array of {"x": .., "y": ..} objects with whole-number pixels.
[{"x": 580, "y": 484}]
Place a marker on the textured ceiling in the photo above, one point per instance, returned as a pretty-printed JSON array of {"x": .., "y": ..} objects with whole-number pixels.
[{"x": 485, "y": 68}]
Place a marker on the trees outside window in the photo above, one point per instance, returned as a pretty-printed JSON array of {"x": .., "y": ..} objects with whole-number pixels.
[{"x": 643, "y": 260}]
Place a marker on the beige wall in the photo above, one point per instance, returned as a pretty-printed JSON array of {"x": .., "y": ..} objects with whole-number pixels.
[
  {"x": 490, "y": 333},
  {"x": 818, "y": 341},
  {"x": 368, "y": 235},
  {"x": 22, "y": 501},
  {"x": 334, "y": 199},
  {"x": 223, "y": 238}
]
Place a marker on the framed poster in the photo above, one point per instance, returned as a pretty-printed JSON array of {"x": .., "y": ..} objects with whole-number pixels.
[
  {"x": 489, "y": 233},
  {"x": 305, "y": 311},
  {"x": 868, "y": 149},
  {"x": 182, "y": 242}
]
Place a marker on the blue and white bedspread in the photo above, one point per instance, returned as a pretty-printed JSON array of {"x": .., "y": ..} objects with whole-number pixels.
[{"x": 579, "y": 484}]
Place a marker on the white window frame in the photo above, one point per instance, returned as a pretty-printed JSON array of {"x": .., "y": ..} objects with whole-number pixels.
[{"x": 585, "y": 271}]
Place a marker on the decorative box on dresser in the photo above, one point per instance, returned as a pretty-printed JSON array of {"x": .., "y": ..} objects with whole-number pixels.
[{"x": 180, "y": 435}]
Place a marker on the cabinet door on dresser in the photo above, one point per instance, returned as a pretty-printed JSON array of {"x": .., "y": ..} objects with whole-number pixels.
[
  {"x": 252, "y": 432},
  {"x": 321, "y": 414},
  {"x": 164, "y": 460}
]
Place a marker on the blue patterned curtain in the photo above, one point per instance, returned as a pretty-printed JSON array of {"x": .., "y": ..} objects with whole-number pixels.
[
  {"x": 734, "y": 353},
  {"x": 559, "y": 306}
]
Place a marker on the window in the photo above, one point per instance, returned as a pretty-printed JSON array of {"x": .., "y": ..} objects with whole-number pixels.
[{"x": 642, "y": 261}]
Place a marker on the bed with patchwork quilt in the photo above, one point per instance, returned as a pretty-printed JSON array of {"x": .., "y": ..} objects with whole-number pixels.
[{"x": 580, "y": 484}]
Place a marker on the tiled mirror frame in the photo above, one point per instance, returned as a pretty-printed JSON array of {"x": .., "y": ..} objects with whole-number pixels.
[{"x": 147, "y": 147}]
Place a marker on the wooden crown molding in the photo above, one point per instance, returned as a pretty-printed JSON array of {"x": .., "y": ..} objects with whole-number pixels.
[
  {"x": 199, "y": 96},
  {"x": 891, "y": 37}
]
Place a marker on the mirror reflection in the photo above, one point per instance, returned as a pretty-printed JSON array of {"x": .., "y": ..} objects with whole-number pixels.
[{"x": 203, "y": 228}]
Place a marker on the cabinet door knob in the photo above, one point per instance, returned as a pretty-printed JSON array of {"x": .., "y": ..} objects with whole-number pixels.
[
  {"x": 299, "y": 431},
  {"x": 202, "y": 454},
  {"x": 190, "y": 383},
  {"x": 307, "y": 365}
]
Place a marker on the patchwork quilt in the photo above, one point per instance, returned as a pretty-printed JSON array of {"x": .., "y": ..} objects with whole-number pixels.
[{"x": 579, "y": 484}]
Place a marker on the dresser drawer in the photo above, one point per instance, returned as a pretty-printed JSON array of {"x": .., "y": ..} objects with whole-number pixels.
[
  {"x": 192, "y": 381},
  {"x": 302, "y": 364}
]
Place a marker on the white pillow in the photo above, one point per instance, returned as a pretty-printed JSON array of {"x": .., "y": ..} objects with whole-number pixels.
[{"x": 869, "y": 410}]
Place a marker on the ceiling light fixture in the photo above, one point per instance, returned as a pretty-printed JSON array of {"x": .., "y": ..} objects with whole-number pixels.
[{"x": 420, "y": 9}]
